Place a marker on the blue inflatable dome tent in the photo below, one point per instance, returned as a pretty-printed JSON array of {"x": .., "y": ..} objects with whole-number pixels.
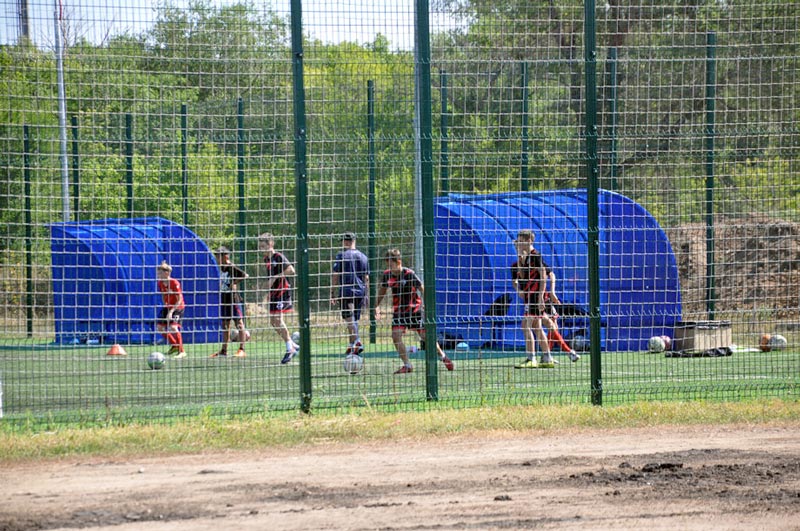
[
  {"x": 476, "y": 301},
  {"x": 104, "y": 280}
]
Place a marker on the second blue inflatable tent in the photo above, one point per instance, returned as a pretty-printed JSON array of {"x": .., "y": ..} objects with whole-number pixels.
[{"x": 639, "y": 284}]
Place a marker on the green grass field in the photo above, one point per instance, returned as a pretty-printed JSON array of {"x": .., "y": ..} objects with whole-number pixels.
[{"x": 85, "y": 386}]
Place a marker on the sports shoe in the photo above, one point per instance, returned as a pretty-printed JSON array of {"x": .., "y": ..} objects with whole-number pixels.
[
  {"x": 527, "y": 364},
  {"x": 180, "y": 355},
  {"x": 220, "y": 354},
  {"x": 574, "y": 356},
  {"x": 288, "y": 357},
  {"x": 358, "y": 348},
  {"x": 173, "y": 350},
  {"x": 404, "y": 370},
  {"x": 547, "y": 362},
  {"x": 240, "y": 353},
  {"x": 448, "y": 363}
]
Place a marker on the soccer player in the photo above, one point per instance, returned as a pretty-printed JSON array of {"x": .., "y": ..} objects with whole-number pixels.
[
  {"x": 529, "y": 279},
  {"x": 230, "y": 308},
  {"x": 407, "y": 291},
  {"x": 550, "y": 316},
  {"x": 169, "y": 320},
  {"x": 279, "y": 271},
  {"x": 350, "y": 288}
]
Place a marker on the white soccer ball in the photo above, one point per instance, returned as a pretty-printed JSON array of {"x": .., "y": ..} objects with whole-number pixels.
[
  {"x": 234, "y": 335},
  {"x": 353, "y": 363},
  {"x": 580, "y": 343},
  {"x": 462, "y": 347},
  {"x": 296, "y": 337},
  {"x": 778, "y": 342},
  {"x": 667, "y": 342},
  {"x": 156, "y": 360},
  {"x": 656, "y": 344}
]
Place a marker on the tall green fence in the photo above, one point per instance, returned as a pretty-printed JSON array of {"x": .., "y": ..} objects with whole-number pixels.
[{"x": 652, "y": 148}]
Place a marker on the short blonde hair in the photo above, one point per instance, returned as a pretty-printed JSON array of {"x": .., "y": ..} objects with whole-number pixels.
[
  {"x": 266, "y": 237},
  {"x": 525, "y": 235},
  {"x": 164, "y": 266}
]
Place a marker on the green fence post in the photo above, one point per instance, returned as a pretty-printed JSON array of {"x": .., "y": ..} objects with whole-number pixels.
[
  {"x": 524, "y": 181},
  {"x": 423, "y": 47},
  {"x": 76, "y": 174},
  {"x": 711, "y": 90},
  {"x": 301, "y": 203},
  {"x": 242, "y": 213},
  {"x": 612, "y": 116},
  {"x": 371, "y": 248},
  {"x": 185, "y": 164},
  {"x": 26, "y": 172},
  {"x": 444, "y": 156},
  {"x": 129, "y": 161},
  {"x": 592, "y": 192}
]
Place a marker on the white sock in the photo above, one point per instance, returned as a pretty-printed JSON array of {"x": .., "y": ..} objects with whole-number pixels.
[{"x": 289, "y": 345}]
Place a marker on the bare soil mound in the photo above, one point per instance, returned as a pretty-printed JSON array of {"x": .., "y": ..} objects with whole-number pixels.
[{"x": 756, "y": 266}]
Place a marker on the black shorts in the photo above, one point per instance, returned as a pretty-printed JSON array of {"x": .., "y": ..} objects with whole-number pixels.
[
  {"x": 177, "y": 315},
  {"x": 402, "y": 321},
  {"x": 351, "y": 307},
  {"x": 532, "y": 305},
  {"x": 231, "y": 312},
  {"x": 282, "y": 303}
]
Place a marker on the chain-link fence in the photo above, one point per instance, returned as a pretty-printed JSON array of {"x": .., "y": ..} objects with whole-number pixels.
[{"x": 651, "y": 150}]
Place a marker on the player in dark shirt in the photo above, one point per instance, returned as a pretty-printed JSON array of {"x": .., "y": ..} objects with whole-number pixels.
[
  {"x": 407, "y": 291},
  {"x": 529, "y": 278},
  {"x": 279, "y": 299},
  {"x": 350, "y": 288},
  {"x": 231, "y": 309}
]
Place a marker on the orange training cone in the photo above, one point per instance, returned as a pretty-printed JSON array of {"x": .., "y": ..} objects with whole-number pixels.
[{"x": 116, "y": 350}]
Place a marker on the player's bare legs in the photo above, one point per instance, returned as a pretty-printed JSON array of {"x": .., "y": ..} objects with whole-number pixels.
[
  {"x": 527, "y": 333},
  {"x": 279, "y": 325},
  {"x": 532, "y": 331},
  {"x": 277, "y": 322},
  {"x": 541, "y": 337},
  {"x": 397, "y": 339},
  {"x": 442, "y": 356},
  {"x": 554, "y": 336}
]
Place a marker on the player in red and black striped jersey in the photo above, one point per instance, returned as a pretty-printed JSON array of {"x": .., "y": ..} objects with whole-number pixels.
[
  {"x": 407, "y": 291},
  {"x": 279, "y": 270},
  {"x": 530, "y": 280},
  {"x": 169, "y": 320},
  {"x": 550, "y": 318}
]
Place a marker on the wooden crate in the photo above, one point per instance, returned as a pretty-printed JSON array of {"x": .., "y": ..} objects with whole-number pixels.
[{"x": 702, "y": 335}]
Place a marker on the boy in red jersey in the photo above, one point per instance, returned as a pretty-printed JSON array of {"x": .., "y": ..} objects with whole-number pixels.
[
  {"x": 279, "y": 270},
  {"x": 529, "y": 278},
  {"x": 169, "y": 320},
  {"x": 407, "y": 291}
]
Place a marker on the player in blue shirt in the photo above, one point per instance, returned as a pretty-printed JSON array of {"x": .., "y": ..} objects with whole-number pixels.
[{"x": 350, "y": 288}]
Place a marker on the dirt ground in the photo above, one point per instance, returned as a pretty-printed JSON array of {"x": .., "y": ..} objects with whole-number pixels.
[{"x": 729, "y": 477}]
